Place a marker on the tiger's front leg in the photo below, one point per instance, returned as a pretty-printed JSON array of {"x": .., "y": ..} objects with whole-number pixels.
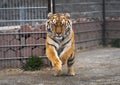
[
  {"x": 53, "y": 57},
  {"x": 67, "y": 56}
]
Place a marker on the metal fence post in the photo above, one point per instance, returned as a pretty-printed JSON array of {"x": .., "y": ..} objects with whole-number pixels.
[
  {"x": 103, "y": 24},
  {"x": 51, "y": 6},
  {"x": 21, "y": 15}
]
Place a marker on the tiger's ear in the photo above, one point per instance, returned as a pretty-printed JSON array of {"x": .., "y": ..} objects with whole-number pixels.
[
  {"x": 50, "y": 14},
  {"x": 67, "y": 15}
]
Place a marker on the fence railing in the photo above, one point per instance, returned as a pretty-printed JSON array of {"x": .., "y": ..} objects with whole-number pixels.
[{"x": 22, "y": 31}]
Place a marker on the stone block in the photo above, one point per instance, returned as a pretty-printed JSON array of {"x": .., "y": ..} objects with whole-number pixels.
[
  {"x": 36, "y": 25},
  {"x": 30, "y": 40},
  {"x": 37, "y": 51},
  {"x": 40, "y": 41},
  {"x": 25, "y": 28},
  {"x": 43, "y": 28},
  {"x": 1, "y": 54},
  {"x": 6, "y": 39},
  {"x": 35, "y": 29},
  {"x": 14, "y": 42},
  {"x": 43, "y": 35},
  {"x": 26, "y": 52},
  {"x": 10, "y": 53},
  {"x": 36, "y": 36}
]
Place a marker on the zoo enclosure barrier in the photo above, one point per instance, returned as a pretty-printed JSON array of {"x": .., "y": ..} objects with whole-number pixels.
[
  {"x": 22, "y": 28},
  {"x": 22, "y": 31}
]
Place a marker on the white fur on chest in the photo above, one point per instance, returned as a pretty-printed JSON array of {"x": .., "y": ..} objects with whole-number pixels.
[{"x": 60, "y": 44}]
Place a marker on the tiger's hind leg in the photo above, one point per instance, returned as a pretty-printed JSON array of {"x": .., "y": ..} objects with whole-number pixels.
[{"x": 70, "y": 63}]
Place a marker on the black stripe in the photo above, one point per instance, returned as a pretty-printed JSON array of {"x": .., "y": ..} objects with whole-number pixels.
[
  {"x": 66, "y": 42},
  {"x": 54, "y": 40},
  {"x": 60, "y": 50},
  {"x": 53, "y": 46},
  {"x": 62, "y": 47},
  {"x": 70, "y": 61},
  {"x": 67, "y": 30},
  {"x": 57, "y": 50}
]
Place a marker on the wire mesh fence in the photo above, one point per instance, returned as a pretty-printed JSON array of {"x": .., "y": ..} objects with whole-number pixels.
[
  {"x": 22, "y": 30},
  {"x": 87, "y": 20},
  {"x": 18, "y": 12},
  {"x": 113, "y": 21}
]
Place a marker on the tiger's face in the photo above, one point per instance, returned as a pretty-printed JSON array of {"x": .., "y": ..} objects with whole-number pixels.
[{"x": 58, "y": 26}]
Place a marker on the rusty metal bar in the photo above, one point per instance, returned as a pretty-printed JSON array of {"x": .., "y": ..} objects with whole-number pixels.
[{"x": 104, "y": 24}]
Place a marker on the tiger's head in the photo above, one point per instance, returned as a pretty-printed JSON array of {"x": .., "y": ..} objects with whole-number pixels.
[{"x": 58, "y": 26}]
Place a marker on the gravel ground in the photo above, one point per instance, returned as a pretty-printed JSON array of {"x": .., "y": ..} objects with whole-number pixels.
[{"x": 94, "y": 67}]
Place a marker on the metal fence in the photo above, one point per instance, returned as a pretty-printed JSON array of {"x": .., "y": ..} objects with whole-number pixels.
[
  {"x": 112, "y": 20},
  {"x": 18, "y": 12},
  {"x": 87, "y": 18},
  {"x": 22, "y": 29},
  {"x": 96, "y": 21}
]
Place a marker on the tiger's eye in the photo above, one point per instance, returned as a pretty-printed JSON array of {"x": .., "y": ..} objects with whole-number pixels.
[
  {"x": 63, "y": 21},
  {"x": 54, "y": 21}
]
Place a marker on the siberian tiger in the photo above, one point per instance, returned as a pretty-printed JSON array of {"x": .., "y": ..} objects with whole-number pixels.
[{"x": 60, "y": 42}]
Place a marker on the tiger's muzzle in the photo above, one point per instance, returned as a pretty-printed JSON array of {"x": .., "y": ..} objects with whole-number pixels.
[{"x": 59, "y": 36}]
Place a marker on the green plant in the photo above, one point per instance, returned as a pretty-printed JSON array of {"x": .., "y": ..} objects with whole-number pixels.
[
  {"x": 33, "y": 63},
  {"x": 115, "y": 43}
]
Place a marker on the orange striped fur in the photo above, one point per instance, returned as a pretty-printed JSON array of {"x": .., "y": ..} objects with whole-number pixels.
[{"x": 60, "y": 42}]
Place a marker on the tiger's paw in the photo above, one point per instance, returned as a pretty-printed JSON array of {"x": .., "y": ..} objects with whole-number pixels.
[
  {"x": 71, "y": 71},
  {"x": 58, "y": 73},
  {"x": 57, "y": 68},
  {"x": 63, "y": 60}
]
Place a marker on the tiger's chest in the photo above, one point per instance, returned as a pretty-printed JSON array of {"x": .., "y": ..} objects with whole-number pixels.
[{"x": 60, "y": 46}]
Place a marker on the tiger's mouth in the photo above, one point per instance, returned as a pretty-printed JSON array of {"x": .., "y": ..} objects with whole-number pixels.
[{"x": 59, "y": 37}]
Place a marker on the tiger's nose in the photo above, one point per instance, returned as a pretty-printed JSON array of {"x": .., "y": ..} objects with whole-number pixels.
[{"x": 58, "y": 34}]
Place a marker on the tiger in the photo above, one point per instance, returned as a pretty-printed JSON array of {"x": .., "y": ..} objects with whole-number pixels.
[{"x": 60, "y": 42}]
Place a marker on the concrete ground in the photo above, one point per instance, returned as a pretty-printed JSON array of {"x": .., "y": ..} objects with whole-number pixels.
[{"x": 93, "y": 67}]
